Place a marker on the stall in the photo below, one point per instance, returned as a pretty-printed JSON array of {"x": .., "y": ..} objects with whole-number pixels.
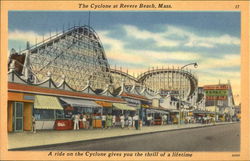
[
  {"x": 157, "y": 115},
  {"x": 47, "y": 110},
  {"x": 124, "y": 109},
  {"x": 174, "y": 115},
  {"x": 84, "y": 107}
]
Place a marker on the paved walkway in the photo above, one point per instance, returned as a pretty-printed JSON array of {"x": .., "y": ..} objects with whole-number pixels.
[{"x": 29, "y": 139}]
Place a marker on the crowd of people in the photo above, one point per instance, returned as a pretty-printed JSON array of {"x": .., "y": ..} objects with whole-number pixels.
[
  {"x": 150, "y": 120},
  {"x": 107, "y": 121}
]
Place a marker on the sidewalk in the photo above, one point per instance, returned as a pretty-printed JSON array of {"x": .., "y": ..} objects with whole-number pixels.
[{"x": 29, "y": 139}]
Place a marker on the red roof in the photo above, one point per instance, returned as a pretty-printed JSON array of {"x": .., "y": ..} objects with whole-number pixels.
[
  {"x": 124, "y": 94},
  {"x": 58, "y": 92}
]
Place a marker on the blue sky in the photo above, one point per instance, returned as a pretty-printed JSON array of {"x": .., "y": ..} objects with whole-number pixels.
[{"x": 139, "y": 40}]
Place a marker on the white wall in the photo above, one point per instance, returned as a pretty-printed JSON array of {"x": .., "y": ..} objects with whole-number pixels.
[{"x": 42, "y": 125}]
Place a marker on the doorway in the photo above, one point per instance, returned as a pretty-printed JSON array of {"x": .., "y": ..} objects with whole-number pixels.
[{"x": 18, "y": 117}]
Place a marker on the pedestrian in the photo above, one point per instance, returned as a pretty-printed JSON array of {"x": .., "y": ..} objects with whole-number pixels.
[
  {"x": 76, "y": 119},
  {"x": 84, "y": 120},
  {"x": 148, "y": 120},
  {"x": 199, "y": 120},
  {"x": 33, "y": 124},
  {"x": 113, "y": 120},
  {"x": 91, "y": 120},
  {"x": 136, "y": 120},
  {"x": 166, "y": 119},
  {"x": 109, "y": 120},
  {"x": 130, "y": 121},
  {"x": 87, "y": 121},
  {"x": 162, "y": 119},
  {"x": 213, "y": 121},
  {"x": 126, "y": 120},
  {"x": 133, "y": 121},
  {"x": 122, "y": 121},
  {"x": 103, "y": 121}
]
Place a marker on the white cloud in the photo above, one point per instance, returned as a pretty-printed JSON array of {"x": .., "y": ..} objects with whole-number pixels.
[
  {"x": 159, "y": 38},
  {"x": 194, "y": 40},
  {"x": 114, "y": 43},
  {"x": 227, "y": 60},
  {"x": 30, "y": 36},
  {"x": 117, "y": 51},
  {"x": 212, "y": 75},
  {"x": 191, "y": 39}
]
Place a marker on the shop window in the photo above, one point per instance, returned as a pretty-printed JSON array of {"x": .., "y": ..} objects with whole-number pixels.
[{"x": 41, "y": 114}]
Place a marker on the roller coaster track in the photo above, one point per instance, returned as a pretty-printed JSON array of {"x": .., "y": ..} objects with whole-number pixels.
[{"x": 144, "y": 76}]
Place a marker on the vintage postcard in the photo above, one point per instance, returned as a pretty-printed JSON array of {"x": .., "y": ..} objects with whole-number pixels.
[{"x": 124, "y": 80}]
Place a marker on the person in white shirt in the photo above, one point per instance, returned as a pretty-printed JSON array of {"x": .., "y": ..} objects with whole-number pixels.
[
  {"x": 130, "y": 121},
  {"x": 103, "y": 121},
  {"x": 149, "y": 120},
  {"x": 113, "y": 120},
  {"x": 122, "y": 120},
  {"x": 76, "y": 118},
  {"x": 164, "y": 119},
  {"x": 133, "y": 121}
]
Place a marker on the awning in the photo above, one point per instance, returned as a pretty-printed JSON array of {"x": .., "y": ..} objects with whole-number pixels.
[
  {"x": 202, "y": 112},
  {"x": 120, "y": 106},
  {"x": 104, "y": 104},
  {"x": 47, "y": 102},
  {"x": 145, "y": 106},
  {"x": 157, "y": 111},
  {"x": 80, "y": 102}
]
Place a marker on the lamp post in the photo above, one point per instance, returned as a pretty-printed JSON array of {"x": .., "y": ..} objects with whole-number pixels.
[{"x": 195, "y": 66}]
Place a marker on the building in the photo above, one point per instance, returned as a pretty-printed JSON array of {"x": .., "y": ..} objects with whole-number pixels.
[{"x": 220, "y": 96}]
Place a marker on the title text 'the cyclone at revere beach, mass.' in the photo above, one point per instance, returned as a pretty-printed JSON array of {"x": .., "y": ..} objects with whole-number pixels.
[{"x": 124, "y": 6}]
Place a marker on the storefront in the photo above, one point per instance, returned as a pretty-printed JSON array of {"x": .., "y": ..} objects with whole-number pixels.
[
  {"x": 144, "y": 106},
  {"x": 107, "y": 107},
  {"x": 157, "y": 116},
  {"x": 174, "y": 115},
  {"x": 81, "y": 106},
  {"x": 20, "y": 107},
  {"x": 26, "y": 100},
  {"x": 122, "y": 109},
  {"x": 47, "y": 109},
  {"x": 135, "y": 103},
  {"x": 90, "y": 108}
]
